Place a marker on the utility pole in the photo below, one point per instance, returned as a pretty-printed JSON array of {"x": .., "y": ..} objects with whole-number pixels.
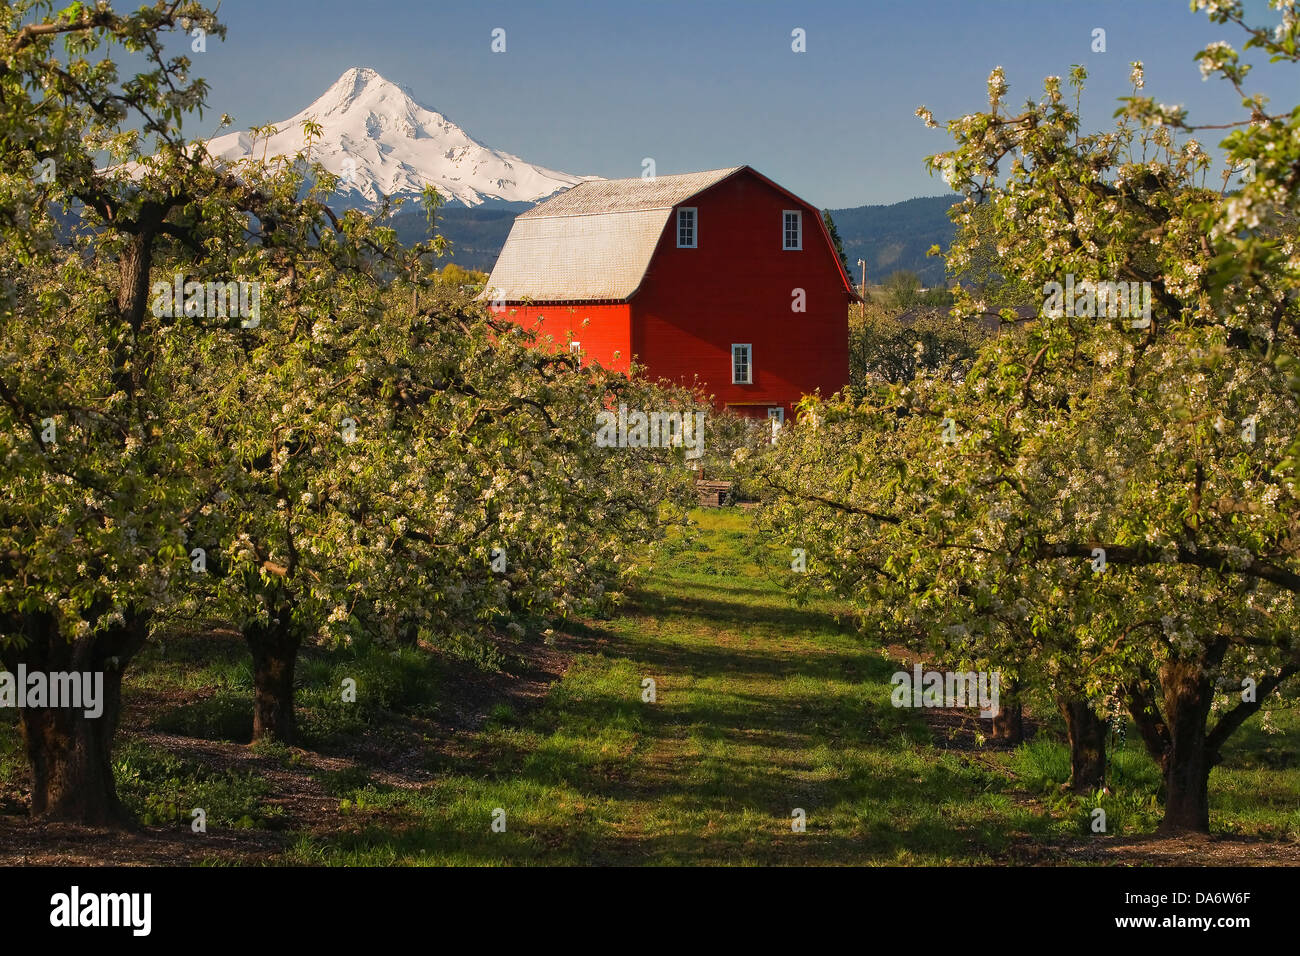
[{"x": 862, "y": 306}]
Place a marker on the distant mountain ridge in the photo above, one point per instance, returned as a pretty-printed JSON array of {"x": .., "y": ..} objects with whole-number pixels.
[{"x": 897, "y": 236}]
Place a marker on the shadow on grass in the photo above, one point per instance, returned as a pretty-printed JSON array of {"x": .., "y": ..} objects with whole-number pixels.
[
  {"x": 659, "y": 656},
  {"x": 711, "y": 810},
  {"x": 778, "y": 617}
]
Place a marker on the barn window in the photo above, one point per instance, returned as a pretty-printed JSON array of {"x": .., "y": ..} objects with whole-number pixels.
[
  {"x": 742, "y": 367},
  {"x": 575, "y": 348},
  {"x": 687, "y": 234},
  {"x": 792, "y": 229}
]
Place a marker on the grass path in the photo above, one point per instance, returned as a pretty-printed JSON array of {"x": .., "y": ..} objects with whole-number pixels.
[{"x": 761, "y": 709}]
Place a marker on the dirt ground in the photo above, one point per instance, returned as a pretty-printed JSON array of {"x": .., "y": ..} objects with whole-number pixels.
[{"x": 396, "y": 758}]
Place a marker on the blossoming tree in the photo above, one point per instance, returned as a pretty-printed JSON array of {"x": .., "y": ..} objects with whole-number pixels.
[
  {"x": 1108, "y": 495},
  {"x": 345, "y": 458}
]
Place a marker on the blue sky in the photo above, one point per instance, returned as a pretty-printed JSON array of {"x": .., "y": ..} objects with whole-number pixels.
[{"x": 592, "y": 88}]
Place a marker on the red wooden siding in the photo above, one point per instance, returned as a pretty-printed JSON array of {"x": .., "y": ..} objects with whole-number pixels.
[
  {"x": 607, "y": 332},
  {"x": 738, "y": 287}
]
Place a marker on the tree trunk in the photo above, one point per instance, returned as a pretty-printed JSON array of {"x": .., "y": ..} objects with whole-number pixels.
[
  {"x": 1008, "y": 725},
  {"x": 1008, "y": 722},
  {"x": 274, "y": 647},
  {"x": 1188, "y": 693},
  {"x": 1087, "y": 736},
  {"x": 70, "y": 753},
  {"x": 135, "y": 263},
  {"x": 408, "y": 635},
  {"x": 72, "y": 771}
]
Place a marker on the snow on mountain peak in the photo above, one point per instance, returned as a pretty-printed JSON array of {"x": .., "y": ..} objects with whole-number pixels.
[
  {"x": 360, "y": 84},
  {"x": 379, "y": 140}
]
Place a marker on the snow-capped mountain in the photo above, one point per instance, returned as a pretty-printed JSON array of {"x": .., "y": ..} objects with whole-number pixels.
[{"x": 380, "y": 140}]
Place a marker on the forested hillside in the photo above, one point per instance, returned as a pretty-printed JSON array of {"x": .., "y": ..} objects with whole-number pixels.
[{"x": 896, "y": 237}]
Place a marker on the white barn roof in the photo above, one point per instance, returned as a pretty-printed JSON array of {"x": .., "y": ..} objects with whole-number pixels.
[{"x": 593, "y": 241}]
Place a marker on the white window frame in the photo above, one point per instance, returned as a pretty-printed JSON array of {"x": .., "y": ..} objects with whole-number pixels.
[
  {"x": 749, "y": 363},
  {"x": 798, "y": 214},
  {"x": 777, "y": 412},
  {"x": 695, "y": 227},
  {"x": 575, "y": 347}
]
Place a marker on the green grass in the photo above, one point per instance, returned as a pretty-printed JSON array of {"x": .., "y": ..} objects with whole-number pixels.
[
  {"x": 761, "y": 708},
  {"x": 387, "y": 680},
  {"x": 13, "y": 763},
  {"x": 161, "y": 788}
]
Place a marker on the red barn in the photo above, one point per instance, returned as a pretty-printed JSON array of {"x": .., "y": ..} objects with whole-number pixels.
[{"x": 720, "y": 277}]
